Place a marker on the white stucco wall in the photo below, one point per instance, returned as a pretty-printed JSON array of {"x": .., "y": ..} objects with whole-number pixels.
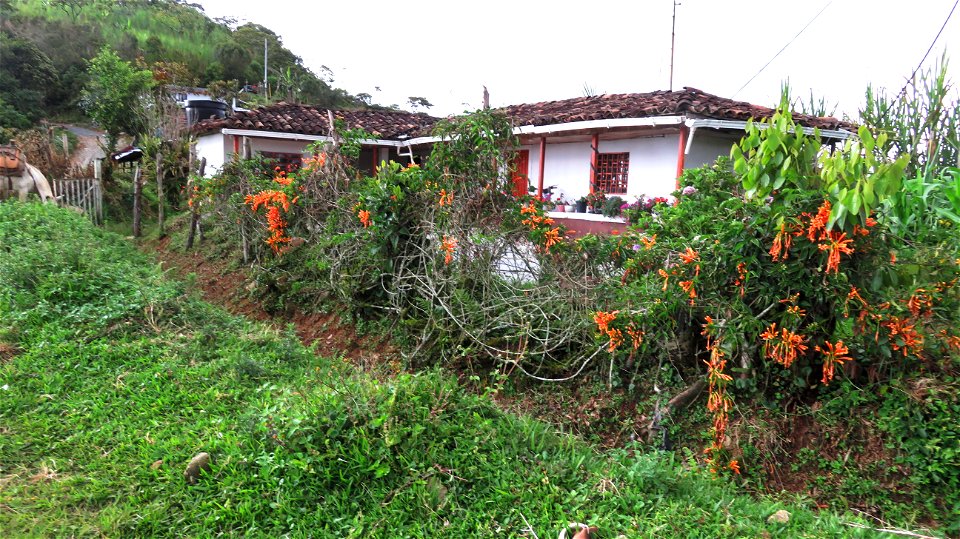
[
  {"x": 653, "y": 165},
  {"x": 219, "y": 148},
  {"x": 280, "y": 145},
  {"x": 213, "y": 148},
  {"x": 707, "y": 145}
]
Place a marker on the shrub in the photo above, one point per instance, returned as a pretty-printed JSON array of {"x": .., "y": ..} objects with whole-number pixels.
[{"x": 87, "y": 279}]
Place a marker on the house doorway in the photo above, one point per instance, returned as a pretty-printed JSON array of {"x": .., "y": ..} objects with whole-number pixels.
[{"x": 520, "y": 172}]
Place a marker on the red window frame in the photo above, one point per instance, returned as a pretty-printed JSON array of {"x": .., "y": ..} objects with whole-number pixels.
[{"x": 613, "y": 169}]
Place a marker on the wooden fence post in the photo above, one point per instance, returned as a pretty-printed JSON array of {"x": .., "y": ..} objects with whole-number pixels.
[
  {"x": 137, "y": 201},
  {"x": 160, "y": 194},
  {"x": 195, "y": 207}
]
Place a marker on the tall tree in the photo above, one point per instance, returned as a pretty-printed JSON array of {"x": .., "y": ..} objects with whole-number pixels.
[
  {"x": 235, "y": 60},
  {"x": 26, "y": 77},
  {"x": 416, "y": 102},
  {"x": 113, "y": 95}
]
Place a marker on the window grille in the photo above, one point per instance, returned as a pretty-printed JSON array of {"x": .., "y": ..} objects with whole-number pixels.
[{"x": 612, "y": 172}]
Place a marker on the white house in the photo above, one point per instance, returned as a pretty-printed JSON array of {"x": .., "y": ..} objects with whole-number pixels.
[
  {"x": 635, "y": 144},
  {"x": 621, "y": 144},
  {"x": 283, "y": 132}
]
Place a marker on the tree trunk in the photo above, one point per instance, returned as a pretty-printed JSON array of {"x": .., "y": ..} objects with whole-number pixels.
[
  {"x": 137, "y": 201},
  {"x": 678, "y": 402},
  {"x": 195, "y": 207},
  {"x": 160, "y": 194},
  {"x": 687, "y": 396}
]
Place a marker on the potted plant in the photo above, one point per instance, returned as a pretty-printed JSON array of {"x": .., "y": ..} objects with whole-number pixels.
[
  {"x": 582, "y": 205},
  {"x": 595, "y": 200},
  {"x": 611, "y": 207},
  {"x": 569, "y": 206}
]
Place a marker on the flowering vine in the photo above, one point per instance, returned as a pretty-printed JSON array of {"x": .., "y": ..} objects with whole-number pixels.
[
  {"x": 277, "y": 203},
  {"x": 448, "y": 245},
  {"x": 833, "y": 355},
  {"x": 543, "y": 228},
  {"x": 719, "y": 403}
]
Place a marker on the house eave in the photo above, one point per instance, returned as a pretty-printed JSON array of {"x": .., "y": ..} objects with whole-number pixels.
[
  {"x": 739, "y": 125},
  {"x": 590, "y": 125},
  {"x": 302, "y": 137},
  {"x": 651, "y": 121}
]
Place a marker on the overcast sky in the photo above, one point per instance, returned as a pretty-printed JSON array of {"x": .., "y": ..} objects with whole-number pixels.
[{"x": 526, "y": 51}]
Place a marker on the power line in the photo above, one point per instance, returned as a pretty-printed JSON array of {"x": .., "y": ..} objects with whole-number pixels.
[
  {"x": 914, "y": 74},
  {"x": 784, "y": 48}
]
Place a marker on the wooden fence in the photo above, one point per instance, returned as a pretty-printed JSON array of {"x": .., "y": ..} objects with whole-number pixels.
[{"x": 84, "y": 194}]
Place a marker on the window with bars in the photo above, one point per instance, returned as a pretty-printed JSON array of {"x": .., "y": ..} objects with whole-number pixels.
[{"x": 612, "y": 171}]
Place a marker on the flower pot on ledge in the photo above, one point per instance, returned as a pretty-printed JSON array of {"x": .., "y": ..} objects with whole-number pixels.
[{"x": 581, "y": 206}]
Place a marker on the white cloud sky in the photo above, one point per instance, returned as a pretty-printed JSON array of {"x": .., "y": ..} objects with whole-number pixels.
[{"x": 526, "y": 51}]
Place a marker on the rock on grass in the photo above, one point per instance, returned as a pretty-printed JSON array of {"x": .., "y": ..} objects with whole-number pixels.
[{"x": 200, "y": 462}]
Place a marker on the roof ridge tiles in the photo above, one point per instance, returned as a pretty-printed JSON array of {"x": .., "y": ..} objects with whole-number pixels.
[{"x": 689, "y": 100}]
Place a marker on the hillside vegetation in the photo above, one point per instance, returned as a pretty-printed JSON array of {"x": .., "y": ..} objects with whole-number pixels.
[
  {"x": 113, "y": 377},
  {"x": 46, "y": 46}
]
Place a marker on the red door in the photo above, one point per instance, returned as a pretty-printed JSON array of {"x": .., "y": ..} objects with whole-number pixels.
[{"x": 520, "y": 170}]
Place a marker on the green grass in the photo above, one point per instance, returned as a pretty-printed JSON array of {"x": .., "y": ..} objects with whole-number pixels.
[{"x": 122, "y": 377}]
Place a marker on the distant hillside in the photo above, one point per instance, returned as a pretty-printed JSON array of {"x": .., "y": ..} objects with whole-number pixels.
[{"x": 45, "y": 46}]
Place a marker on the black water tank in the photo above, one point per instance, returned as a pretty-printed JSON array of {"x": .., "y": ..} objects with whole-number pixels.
[{"x": 202, "y": 109}]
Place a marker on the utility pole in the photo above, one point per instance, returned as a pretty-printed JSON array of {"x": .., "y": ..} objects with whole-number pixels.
[
  {"x": 266, "y": 89},
  {"x": 673, "y": 35}
]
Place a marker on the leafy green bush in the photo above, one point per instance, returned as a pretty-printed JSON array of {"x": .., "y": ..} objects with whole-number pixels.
[
  {"x": 921, "y": 418},
  {"x": 787, "y": 274},
  {"x": 782, "y": 272},
  {"x": 88, "y": 279},
  {"x": 611, "y": 207}
]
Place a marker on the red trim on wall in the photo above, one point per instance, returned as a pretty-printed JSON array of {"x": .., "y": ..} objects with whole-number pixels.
[
  {"x": 684, "y": 132},
  {"x": 594, "y": 153},
  {"x": 236, "y": 144},
  {"x": 543, "y": 153},
  {"x": 376, "y": 154}
]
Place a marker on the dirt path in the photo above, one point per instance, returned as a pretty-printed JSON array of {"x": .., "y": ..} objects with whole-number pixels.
[
  {"x": 90, "y": 144},
  {"x": 88, "y": 149},
  {"x": 588, "y": 414},
  {"x": 230, "y": 289}
]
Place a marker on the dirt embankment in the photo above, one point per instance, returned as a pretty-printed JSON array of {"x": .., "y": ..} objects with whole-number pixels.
[
  {"x": 230, "y": 289},
  {"x": 607, "y": 418}
]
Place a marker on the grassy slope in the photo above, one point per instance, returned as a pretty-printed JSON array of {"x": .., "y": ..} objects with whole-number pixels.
[
  {"x": 121, "y": 378},
  {"x": 182, "y": 30}
]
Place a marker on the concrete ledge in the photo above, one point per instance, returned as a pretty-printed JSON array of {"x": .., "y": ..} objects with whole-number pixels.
[
  {"x": 579, "y": 224},
  {"x": 597, "y": 217}
]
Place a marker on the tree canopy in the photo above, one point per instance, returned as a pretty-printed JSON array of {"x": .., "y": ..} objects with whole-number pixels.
[{"x": 112, "y": 96}]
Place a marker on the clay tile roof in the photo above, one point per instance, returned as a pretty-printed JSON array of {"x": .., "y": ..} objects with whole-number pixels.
[
  {"x": 307, "y": 120},
  {"x": 688, "y": 102}
]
